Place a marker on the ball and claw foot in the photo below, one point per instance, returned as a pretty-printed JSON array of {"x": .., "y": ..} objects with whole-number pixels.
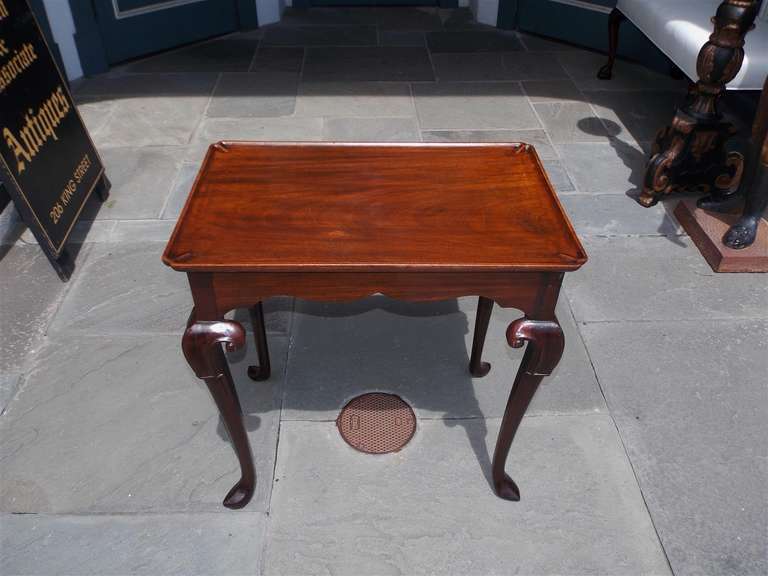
[
  {"x": 481, "y": 370},
  {"x": 507, "y": 489},
  {"x": 742, "y": 234},
  {"x": 239, "y": 496}
]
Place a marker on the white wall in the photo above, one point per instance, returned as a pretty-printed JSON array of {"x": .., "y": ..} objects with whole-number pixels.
[
  {"x": 63, "y": 30},
  {"x": 485, "y": 11},
  {"x": 269, "y": 11}
]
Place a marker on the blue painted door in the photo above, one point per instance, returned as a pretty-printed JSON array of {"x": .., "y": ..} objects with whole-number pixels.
[
  {"x": 131, "y": 28},
  {"x": 374, "y": 3}
]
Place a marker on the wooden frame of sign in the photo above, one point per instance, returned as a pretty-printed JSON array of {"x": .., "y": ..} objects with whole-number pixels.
[{"x": 49, "y": 165}]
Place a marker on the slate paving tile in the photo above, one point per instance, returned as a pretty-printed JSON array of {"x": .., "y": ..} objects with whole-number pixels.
[
  {"x": 689, "y": 399},
  {"x": 531, "y": 66},
  {"x": 582, "y": 67},
  {"x": 371, "y": 130},
  {"x": 473, "y": 106},
  {"x": 125, "y": 288},
  {"x": 186, "y": 545},
  {"x": 419, "y": 351},
  {"x": 407, "y": 18},
  {"x": 141, "y": 181},
  {"x": 552, "y": 91},
  {"x": 616, "y": 215},
  {"x": 402, "y": 38},
  {"x": 30, "y": 293},
  {"x": 288, "y": 128},
  {"x": 140, "y": 231},
  {"x": 228, "y": 54},
  {"x": 115, "y": 87},
  {"x": 378, "y": 63},
  {"x": 147, "y": 109},
  {"x": 9, "y": 383},
  {"x": 321, "y": 36},
  {"x": 121, "y": 424},
  {"x": 254, "y": 95},
  {"x": 429, "y": 508},
  {"x": 180, "y": 190},
  {"x": 638, "y": 114},
  {"x": 613, "y": 167},
  {"x": 558, "y": 176},
  {"x": 95, "y": 113},
  {"x": 277, "y": 59},
  {"x": 658, "y": 278},
  {"x": 571, "y": 122},
  {"x": 153, "y": 121},
  {"x": 355, "y": 99},
  {"x": 534, "y": 43},
  {"x": 480, "y": 66},
  {"x": 87, "y": 231},
  {"x": 537, "y": 138},
  {"x": 472, "y": 41},
  {"x": 327, "y": 16},
  {"x": 106, "y": 296},
  {"x": 461, "y": 19}
]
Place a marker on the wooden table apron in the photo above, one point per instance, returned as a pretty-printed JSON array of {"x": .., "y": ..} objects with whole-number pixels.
[{"x": 535, "y": 293}]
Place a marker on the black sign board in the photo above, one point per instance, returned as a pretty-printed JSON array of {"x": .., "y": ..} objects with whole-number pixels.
[{"x": 48, "y": 164}]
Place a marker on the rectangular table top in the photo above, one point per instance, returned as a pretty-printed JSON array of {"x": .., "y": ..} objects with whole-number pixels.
[{"x": 372, "y": 207}]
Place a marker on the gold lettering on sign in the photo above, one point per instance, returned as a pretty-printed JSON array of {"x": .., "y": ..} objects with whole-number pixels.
[
  {"x": 38, "y": 128},
  {"x": 20, "y": 59},
  {"x": 70, "y": 188},
  {"x": 3, "y": 10}
]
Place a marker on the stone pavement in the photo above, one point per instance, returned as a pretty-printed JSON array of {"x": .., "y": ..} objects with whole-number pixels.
[{"x": 644, "y": 454}]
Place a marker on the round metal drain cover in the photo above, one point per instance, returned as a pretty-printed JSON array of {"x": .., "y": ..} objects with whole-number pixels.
[{"x": 377, "y": 423}]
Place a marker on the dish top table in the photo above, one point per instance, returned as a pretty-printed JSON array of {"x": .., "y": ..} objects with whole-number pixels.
[{"x": 344, "y": 221}]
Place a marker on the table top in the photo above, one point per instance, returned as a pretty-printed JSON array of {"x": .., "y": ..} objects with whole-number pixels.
[{"x": 372, "y": 207}]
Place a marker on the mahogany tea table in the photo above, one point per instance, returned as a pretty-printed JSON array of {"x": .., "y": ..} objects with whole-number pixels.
[{"x": 343, "y": 221}]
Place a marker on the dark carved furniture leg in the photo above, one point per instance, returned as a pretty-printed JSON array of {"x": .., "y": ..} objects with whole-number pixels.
[
  {"x": 545, "y": 347},
  {"x": 202, "y": 348},
  {"x": 690, "y": 154},
  {"x": 477, "y": 367},
  {"x": 614, "y": 22},
  {"x": 744, "y": 231},
  {"x": 263, "y": 370}
]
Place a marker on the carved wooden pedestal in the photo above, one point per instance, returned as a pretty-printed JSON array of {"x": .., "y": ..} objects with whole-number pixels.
[{"x": 691, "y": 154}]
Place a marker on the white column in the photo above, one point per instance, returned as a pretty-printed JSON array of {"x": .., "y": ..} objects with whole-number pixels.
[
  {"x": 63, "y": 30},
  {"x": 270, "y": 11},
  {"x": 486, "y": 11}
]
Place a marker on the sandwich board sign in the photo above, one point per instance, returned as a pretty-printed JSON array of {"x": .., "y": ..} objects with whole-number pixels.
[{"x": 48, "y": 164}]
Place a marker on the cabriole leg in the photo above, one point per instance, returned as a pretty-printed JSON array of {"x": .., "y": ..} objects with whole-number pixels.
[
  {"x": 263, "y": 370},
  {"x": 202, "y": 348},
  {"x": 614, "y": 22},
  {"x": 477, "y": 367},
  {"x": 545, "y": 347}
]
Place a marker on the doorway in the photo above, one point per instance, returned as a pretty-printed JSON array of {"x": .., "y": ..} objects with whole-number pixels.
[{"x": 132, "y": 28}]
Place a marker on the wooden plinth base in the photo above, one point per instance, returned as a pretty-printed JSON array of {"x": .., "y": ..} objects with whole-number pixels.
[{"x": 707, "y": 229}]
